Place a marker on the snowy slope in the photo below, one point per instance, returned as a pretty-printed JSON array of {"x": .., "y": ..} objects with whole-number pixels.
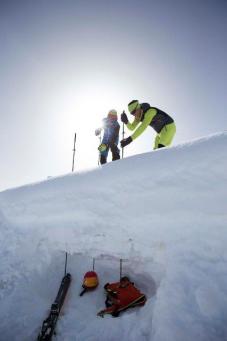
[{"x": 163, "y": 212}]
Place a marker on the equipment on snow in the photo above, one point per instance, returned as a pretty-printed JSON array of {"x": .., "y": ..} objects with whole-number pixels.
[
  {"x": 121, "y": 296},
  {"x": 74, "y": 150},
  {"x": 123, "y": 134},
  {"x": 49, "y": 324},
  {"x": 98, "y": 134},
  {"x": 90, "y": 282},
  {"x": 121, "y": 267}
]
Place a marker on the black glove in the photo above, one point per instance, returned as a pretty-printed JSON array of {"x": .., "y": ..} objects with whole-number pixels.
[
  {"x": 125, "y": 142},
  {"x": 124, "y": 118},
  {"x": 106, "y": 286}
]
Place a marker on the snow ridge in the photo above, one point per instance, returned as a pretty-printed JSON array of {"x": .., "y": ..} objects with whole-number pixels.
[{"x": 163, "y": 212}]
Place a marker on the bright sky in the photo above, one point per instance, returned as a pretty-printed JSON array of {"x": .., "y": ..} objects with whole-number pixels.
[{"x": 65, "y": 64}]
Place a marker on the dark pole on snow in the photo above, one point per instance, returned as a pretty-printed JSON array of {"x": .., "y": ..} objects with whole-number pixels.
[
  {"x": 100, "y": 140},
  {"x": 123, "y": 136},
  {"x": 66, "y": 261},
  {"x": 74, "y": 149},
  {"x": 121, "y": 268}
]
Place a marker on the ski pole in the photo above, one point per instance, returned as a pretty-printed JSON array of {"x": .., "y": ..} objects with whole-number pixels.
[
  {"x": 123, "y": 136},
  {"x": 100, "y": 140},
  {"x": 121, "y": 268},
  {"x": 66, "y": 261},
  {"x": 93, "y": 267},
  {"x": 74, "y": 149}
]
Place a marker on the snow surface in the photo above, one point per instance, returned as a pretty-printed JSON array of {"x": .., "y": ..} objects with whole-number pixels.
[{"x": 164, "y": 213}]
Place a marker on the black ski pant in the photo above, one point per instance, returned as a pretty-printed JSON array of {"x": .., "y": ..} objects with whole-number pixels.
[{"x": 115, "y": 154}]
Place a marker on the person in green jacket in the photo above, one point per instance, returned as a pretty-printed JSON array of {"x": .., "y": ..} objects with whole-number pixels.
[{"x": 145, "y": 116}]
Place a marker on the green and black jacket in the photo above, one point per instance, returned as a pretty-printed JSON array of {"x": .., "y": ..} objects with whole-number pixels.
[{"x": 152, "y": 116}]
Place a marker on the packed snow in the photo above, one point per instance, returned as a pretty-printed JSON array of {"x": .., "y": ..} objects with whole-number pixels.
[{"x": 164, "y": 213}]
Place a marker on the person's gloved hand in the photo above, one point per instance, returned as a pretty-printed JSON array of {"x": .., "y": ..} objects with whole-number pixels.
[
  {"x": 124, "y": 118},
  {"x": 101, "y": 313},
  {"x": 97, "y": 132},
  {"x": 106, "y": 286},
  {"x": 125, "y": 142},
  {"x": 102, "y": 147}
]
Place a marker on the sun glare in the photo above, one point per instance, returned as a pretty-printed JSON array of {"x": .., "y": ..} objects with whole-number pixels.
[
  {"x": 80, "y": 109},
  {"x": 92, "y": 103}
]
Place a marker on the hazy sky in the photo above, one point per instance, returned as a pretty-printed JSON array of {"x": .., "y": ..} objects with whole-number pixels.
[{"x": 64, "y": 64}]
